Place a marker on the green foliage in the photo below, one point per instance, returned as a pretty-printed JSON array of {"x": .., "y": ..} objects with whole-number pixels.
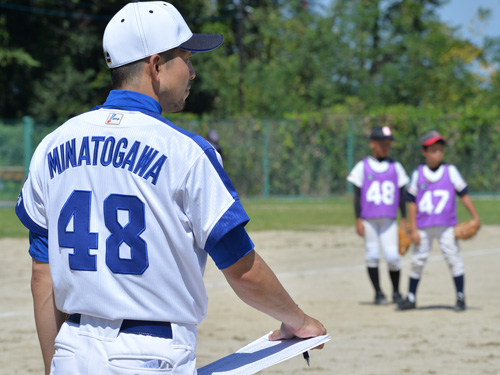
[
  {"x": 398, "y": 52},
  {"x": 311, "y": 153},
  {"x": 58, "y": 96},
  {"x": 327, "y": 74},
  {"x": 472, "y": 133},
  {"x": 9, "y": 189},
  {"x": 11, "y": 145},
  {"x": 278, "y": 57},
  {"x": 308, "y": 153},
  {"x": 13, "y": 55}
]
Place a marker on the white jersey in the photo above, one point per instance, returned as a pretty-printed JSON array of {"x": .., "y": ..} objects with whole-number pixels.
[
  {"x": 357, "y": 175},
  {"x": 432, "y": 176},
  {"x": 131, "y": 204}
]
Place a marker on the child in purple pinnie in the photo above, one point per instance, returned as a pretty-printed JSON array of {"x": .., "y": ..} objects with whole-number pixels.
[
  {"x": 378, "y": 183},
  {"x": 433, "y": 215}
]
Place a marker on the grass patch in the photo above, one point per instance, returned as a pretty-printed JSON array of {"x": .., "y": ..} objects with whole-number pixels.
[
  {"x": 11, "y": 226},
  {"x": 292, "y": 214},
  {"x": 487, "y": 208},
  {"x": 298, "y": 213},
  {"x": 310, "y": 214}
]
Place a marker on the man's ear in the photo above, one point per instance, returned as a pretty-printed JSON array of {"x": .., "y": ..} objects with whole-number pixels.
[{"x": 154, "y": 65}]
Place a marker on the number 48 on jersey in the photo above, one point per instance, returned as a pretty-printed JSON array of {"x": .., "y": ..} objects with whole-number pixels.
[
  {"x": 381, "y": 193},
  {"x": 74, "y": 232}
]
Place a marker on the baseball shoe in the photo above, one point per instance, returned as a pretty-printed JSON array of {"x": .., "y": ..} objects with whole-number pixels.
[
  {"x": 397, "y": 298},
  {"x": 406, "y": 305},
  {"x": 380, "y": 298},
  {"x": 460, "y": 306}
]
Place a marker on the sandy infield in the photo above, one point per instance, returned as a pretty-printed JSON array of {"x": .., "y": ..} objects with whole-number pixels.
[{"x": 324, "y": 271}]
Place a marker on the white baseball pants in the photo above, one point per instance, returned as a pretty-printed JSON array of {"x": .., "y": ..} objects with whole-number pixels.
[
  {"x": 383, "y": 231},
  {"x": 449, "y": 247},
  {"x": 95, "y": 346}
]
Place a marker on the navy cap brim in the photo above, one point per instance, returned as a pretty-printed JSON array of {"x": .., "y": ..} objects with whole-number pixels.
[{"x": 202, "y": 42}]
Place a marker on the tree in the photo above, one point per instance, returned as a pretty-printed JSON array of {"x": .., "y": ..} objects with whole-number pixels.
[
  {"x": 63, "y": 38},
  {"x": 393, "y": 52},
  {"x": 10, "y": 56},
  {"x": 278, "y": 57},
  {"x": 51, "y": 55}
]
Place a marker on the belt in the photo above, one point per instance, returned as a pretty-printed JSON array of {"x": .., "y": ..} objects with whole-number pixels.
[{"x": 138, "y": 327}]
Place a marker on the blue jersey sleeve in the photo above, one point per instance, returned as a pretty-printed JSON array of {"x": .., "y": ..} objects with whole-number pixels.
[
  {"x": 39, "y": 247},
  {"x": 232, "y": 247},
  {"x": 22, "y": 214}
]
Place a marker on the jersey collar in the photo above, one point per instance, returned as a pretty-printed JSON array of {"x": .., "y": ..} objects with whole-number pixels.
[{"x": 131, "y": 101}]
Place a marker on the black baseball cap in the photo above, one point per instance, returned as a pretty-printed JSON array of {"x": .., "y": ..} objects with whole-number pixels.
[
  {"x": 381, "y": 133},
  {"x": 431, "y": 137}
]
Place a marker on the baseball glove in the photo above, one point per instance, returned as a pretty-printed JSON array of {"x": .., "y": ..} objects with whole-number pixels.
[
  {"x": 466, "y": 230},
  {"x": 404, "y": 241}
]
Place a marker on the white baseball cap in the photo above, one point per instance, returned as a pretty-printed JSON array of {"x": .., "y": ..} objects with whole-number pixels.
[{"x": 142, "y": 29}]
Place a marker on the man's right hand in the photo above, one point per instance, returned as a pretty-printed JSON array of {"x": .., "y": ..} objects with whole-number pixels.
[{"x": 310, "y": 328}]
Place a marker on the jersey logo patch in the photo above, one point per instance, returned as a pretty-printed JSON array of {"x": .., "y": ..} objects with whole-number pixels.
[{"x": 114, "y": 119}]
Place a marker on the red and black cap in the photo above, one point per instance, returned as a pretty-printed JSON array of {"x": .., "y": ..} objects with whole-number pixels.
[{"x": 431, "y": 137}]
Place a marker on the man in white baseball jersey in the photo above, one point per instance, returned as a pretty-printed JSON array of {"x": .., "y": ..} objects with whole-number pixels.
[
  {"x": 378, "y": 185},
  {"x": 124, "y": 206},
  {"x": 433, "y": 215}
]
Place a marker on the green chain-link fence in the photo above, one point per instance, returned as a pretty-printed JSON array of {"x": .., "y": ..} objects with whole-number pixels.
[{"x": 292, "y": 157}]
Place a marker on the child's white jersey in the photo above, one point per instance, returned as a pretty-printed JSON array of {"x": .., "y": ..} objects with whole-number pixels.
[
  {"x": 357, "y": 175},
  {"x": 432, "y": 176},
  {"x": 131, "y": 204}
]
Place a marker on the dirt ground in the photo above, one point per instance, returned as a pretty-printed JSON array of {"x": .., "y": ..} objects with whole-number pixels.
[{"x": 324, "y": 272}]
